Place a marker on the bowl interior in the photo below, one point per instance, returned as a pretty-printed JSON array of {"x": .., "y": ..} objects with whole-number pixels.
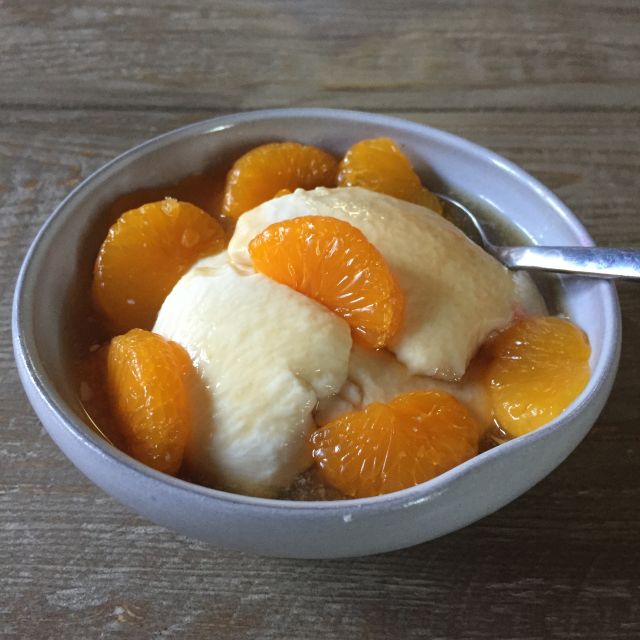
[{"x": 56, "y": 277}]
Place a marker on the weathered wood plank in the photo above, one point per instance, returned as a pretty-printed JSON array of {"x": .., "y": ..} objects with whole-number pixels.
[
  {"x": 560, "y": 562},
  {"x": 408, "y": 55}
]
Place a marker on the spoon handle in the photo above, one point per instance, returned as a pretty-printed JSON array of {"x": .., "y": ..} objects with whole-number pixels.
[{"x": 598, "y": 262}]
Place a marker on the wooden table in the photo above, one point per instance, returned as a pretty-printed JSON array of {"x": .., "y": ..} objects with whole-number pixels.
[{"x": 554, "y": 86}]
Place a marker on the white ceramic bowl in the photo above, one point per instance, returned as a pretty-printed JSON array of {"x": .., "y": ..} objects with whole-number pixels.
[{"x": 70, "y": 238}]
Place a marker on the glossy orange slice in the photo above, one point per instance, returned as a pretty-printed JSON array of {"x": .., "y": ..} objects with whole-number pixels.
[
  {"x": 332, "y": 262},
  {"x": 379, "y": 165},
  {"x": 389, "y": 447},
  {"x": 270, "y": 169},
  {"x": 538, "y": 367},
  {"x": 147, "y": 383},
  {"x": 144, "y": 254}
]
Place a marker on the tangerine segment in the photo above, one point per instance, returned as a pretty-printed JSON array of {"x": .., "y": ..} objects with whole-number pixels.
[
  {"x": 332, "y": 262},
  {"x": 538, "y": 367},
  {"x": 265, "y": 171},
  {"x": 379, "y": 165},
  {"x": 145, "y": 253},
  {"x": 148, "y": 391},
  {"x": 389, "y": 447}
]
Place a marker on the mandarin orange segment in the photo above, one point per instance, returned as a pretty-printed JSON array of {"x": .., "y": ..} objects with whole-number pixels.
[
  {"x": 144, "y": 254},
  {"x": 429, "y": 200},
  {"x": 538, "y": 367},
  {"x": 332, "y": 262},
  {"x": 267, "y": 170},
  {"x": 379, "y": 165},
  {"x": 389, "y": 447},
  {"x": 147, "y": 383}
]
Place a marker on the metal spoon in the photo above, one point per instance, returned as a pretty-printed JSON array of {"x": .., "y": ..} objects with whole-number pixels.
[{"x": 597, "y": 262}]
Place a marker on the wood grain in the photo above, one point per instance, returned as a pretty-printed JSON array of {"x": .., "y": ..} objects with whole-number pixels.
[
  {"x": 553, "y": 86},
  {"x": 404, "y": 55}
]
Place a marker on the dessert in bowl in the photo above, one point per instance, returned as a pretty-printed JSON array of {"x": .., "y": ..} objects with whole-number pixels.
[{"x": 47, "y": 296}]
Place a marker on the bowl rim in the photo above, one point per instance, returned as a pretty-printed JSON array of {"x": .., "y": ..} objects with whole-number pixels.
[{"x": 33, "y": 373}]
